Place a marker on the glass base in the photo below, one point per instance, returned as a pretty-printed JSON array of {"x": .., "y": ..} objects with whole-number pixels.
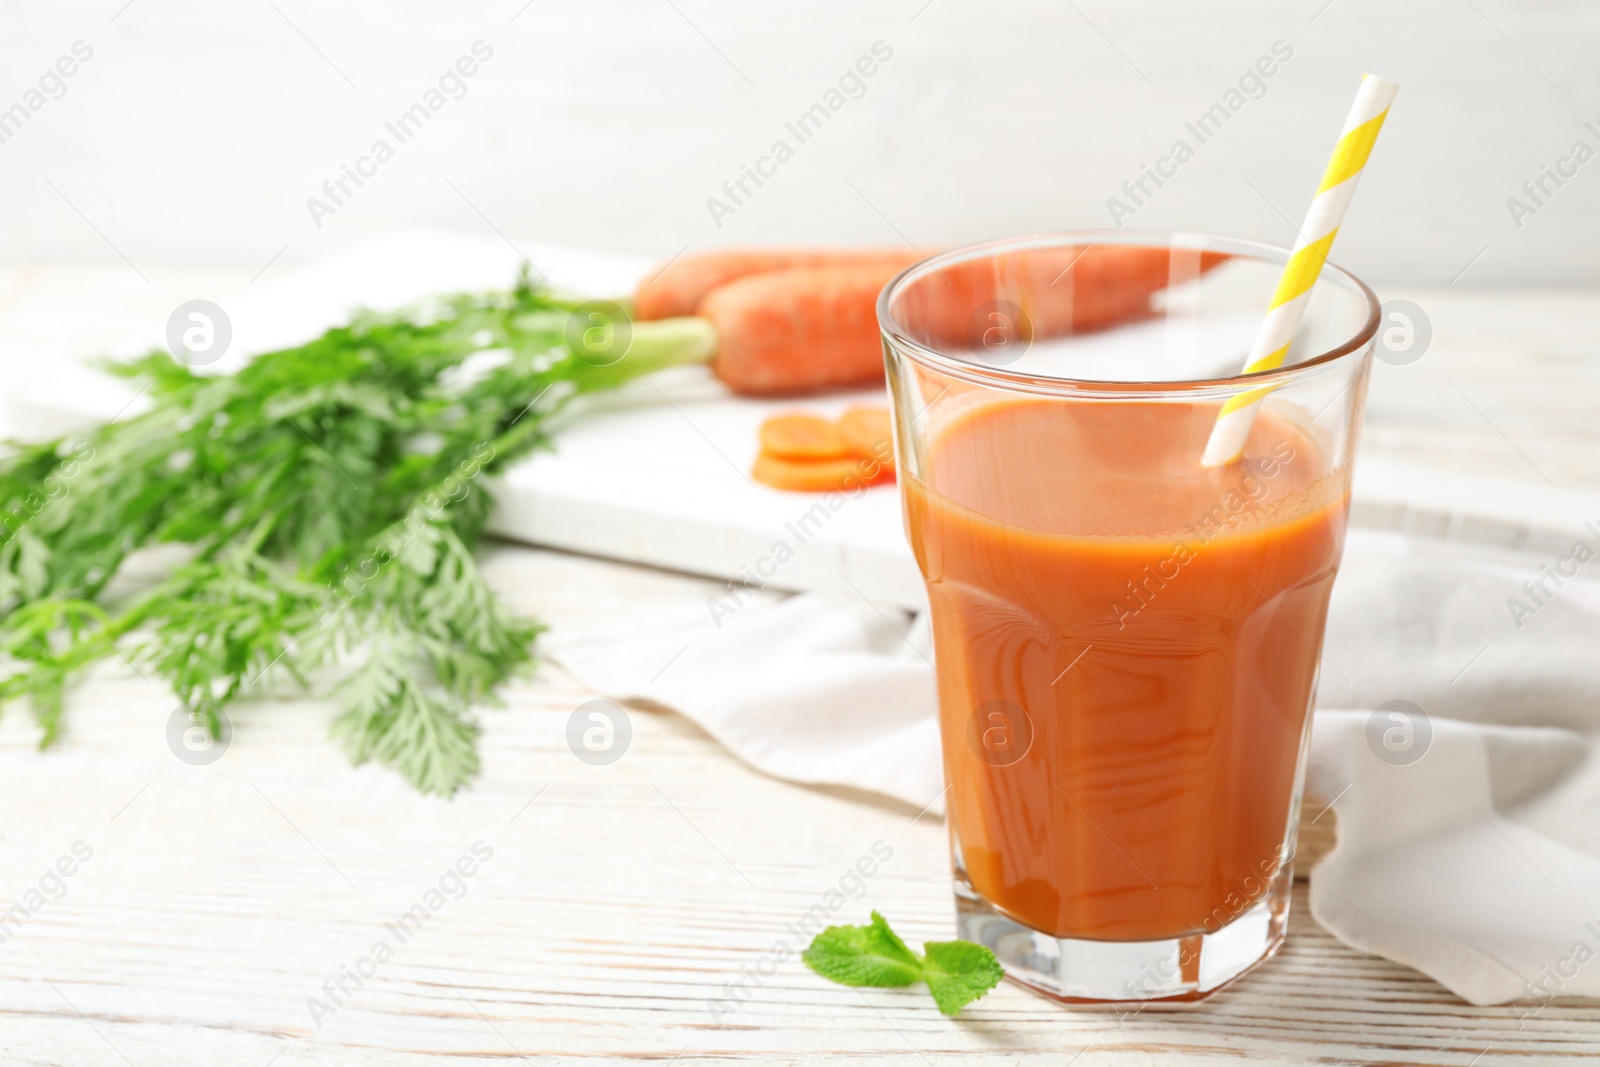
[{"x": 1075, "y": 970}]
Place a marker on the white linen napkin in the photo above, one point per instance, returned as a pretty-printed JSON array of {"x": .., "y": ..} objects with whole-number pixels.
[
  {"x": 1468, "y": 813},
  {"x": 807, "y": 688}
]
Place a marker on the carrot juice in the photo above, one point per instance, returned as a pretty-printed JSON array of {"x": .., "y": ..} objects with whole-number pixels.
[
  {"x": 1127, "y": 644},
  {"x": 1126, "y": 636}
]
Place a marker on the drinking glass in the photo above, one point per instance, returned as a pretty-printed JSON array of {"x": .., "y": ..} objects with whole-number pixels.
[{"x": 1127, "y": 640}]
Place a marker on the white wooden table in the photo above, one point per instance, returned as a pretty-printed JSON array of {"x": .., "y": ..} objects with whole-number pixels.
[{"x": 619, "y": 900}]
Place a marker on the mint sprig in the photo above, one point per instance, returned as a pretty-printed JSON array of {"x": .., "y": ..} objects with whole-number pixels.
[{"x": 956, "y": 972}]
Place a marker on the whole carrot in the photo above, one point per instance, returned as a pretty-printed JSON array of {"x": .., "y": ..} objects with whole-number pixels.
[
  {"x": 1057, "y": 291},
  {"x": 798, "y": 330},
  {"x": 812, "y": 328},
  {"x": 680, "y": 286}
]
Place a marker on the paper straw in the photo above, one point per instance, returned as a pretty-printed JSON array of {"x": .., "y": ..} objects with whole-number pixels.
[{"x": 1305, "y": 264}]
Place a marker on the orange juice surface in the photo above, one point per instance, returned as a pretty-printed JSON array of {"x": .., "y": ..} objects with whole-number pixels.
[{"x": 1127, "y": 644}]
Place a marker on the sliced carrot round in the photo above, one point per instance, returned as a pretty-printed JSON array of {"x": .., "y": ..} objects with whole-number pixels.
[
  {"x": 868, "y": 433},
  {"x": 805, "y": 437},
  {"x": 819, "y": 475}
]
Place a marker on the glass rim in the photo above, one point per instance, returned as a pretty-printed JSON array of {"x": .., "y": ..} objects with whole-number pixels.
[{"x": 894, "y": 333}]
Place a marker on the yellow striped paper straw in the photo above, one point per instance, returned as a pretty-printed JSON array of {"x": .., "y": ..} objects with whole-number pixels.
[{"x": 1305, "y": 264}]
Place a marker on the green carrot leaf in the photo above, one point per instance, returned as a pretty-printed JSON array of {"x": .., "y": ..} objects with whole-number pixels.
[{"x": 320, "y": 507}]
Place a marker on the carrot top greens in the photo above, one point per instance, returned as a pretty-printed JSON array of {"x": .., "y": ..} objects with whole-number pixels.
[{"x": 329, "y": 496}]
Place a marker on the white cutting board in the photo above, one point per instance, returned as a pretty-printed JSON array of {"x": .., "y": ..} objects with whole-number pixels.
[{"x": 657, "y": 472}]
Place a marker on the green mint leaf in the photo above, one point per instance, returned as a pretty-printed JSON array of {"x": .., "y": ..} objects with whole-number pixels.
[
  {"x": 959, "y": 972},
  {"x": 863, "y": 956}
]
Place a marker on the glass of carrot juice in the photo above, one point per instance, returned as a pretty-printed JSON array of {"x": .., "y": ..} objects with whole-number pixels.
[{"x": 1127, "y": 640}]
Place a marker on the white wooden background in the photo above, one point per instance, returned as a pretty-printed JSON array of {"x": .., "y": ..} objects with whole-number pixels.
[
  {"x": 619, "y": 899},
  {"x": 199, "y": 129}
]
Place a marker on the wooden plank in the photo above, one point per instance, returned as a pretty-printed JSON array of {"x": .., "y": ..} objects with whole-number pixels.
[
  {"x": 620, "y": 899},
  {"x": 618, "y": 903},
  {"x": 658, "y": 472}
]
